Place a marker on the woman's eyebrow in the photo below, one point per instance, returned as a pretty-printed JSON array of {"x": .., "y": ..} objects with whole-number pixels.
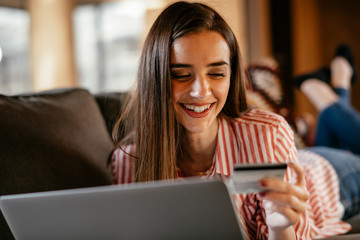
[
  {"x": 180, "y": 65},
  {"x": 217, "y": 64}
]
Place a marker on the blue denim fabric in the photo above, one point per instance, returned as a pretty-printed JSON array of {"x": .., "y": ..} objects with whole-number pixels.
[
  {"x": 339, "y": 125},
  {"x": 344, "y": 96},
  {"x": 347, "y": 167}
]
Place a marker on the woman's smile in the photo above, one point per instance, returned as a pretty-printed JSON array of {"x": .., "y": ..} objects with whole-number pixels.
[{"x": 197, "y": 110}]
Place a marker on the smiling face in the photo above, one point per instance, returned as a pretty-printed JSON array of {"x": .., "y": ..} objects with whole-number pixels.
[{"x": 200, "y": 79}]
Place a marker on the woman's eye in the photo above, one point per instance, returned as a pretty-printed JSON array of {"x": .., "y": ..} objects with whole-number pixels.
[
  {"x": 217, "y": 75},
  {"x": 180, "y": 76}
]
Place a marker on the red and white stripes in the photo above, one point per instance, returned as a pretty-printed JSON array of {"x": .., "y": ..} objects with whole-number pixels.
[
  {"x": 324, "y": 206},
  {"x": 122, "y": 165}
]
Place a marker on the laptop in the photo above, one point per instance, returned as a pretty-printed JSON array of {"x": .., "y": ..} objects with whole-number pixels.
[{"x": 179, "y": 209}]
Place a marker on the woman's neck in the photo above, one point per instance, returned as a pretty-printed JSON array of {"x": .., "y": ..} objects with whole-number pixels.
[{"x": 199, "y": 149}]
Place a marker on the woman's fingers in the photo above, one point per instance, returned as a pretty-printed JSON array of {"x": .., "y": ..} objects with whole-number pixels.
[
  {"x": 298, "y": 189},
  {"x": 300, "y": 178},
  {"x": 285, "y": 200},
  {"x": 284, "y": 187},
  {"x": 290, "y": 214}
]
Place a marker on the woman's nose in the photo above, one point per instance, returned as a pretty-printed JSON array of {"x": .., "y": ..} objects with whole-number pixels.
[{"x": 200, "y": 88}]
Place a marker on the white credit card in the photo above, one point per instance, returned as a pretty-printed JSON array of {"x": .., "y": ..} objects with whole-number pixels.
[{"x": 245, "y": 178}]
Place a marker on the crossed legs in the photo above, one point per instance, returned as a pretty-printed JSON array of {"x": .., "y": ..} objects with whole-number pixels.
[
  {"x": 338, "y": 123},
  {"x": 320, "y": 93}
]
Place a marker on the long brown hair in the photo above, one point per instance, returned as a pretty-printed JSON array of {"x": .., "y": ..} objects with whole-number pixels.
[{"x": 149, "y": 115}]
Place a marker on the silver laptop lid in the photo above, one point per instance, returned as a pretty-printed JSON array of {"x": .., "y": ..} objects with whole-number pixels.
[{"x": 190, "y": 209}]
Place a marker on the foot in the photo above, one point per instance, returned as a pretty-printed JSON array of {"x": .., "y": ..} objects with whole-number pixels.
[
  {"x": 341, "y": 73},
  {"x": 344, "y": 52},
  {"x": 322, "y": 74}
]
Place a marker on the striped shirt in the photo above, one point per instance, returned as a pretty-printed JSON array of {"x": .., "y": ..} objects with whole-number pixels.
[
  {"x": 324, "y": 207},
  {"x": 255, "y": 138}
]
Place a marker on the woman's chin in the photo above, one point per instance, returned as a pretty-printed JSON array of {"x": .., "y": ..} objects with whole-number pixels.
[{"x": 203, "y": 127}]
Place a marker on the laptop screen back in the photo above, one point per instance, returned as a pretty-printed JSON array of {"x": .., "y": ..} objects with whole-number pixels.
[{"x": 190, "y": 209}]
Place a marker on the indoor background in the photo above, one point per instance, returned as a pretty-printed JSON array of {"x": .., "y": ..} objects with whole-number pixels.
[{"x": 96, "y": 44}]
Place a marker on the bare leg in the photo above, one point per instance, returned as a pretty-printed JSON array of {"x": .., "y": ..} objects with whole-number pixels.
[{"x": 319, "y": 93}]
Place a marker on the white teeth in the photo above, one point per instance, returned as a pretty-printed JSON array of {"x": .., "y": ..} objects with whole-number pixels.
[{"x": 196, "y": 108}]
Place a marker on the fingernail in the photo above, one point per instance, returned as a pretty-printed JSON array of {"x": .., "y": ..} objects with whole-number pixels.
[
  {"x": 263, "y": 183},
  {"x": 261, "y": 195}
]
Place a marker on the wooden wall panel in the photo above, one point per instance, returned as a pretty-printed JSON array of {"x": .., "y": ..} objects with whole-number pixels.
[{"x": 318, "y": 27}]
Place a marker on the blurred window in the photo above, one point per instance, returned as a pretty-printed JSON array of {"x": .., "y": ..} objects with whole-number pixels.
[
  {"x": 107, "y": 44},
  {"x": 14, "y": 51}
]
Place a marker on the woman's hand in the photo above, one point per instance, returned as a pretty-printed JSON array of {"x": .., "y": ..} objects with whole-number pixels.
[{"x": 284, "y": 203}]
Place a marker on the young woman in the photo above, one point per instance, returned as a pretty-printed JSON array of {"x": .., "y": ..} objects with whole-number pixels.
[{"x": 188, "y": 117}]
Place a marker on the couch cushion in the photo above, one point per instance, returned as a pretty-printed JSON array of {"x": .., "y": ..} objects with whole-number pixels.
[{"x": 50, "y": 141}]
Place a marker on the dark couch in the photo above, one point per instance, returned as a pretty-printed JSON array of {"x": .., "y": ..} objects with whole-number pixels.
[
  {"x": 59, "y": 139},
  {"x": 55, "y": 140}
]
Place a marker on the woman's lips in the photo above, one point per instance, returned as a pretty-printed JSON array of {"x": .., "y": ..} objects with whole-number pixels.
[{"x": 197, "y": 111}]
